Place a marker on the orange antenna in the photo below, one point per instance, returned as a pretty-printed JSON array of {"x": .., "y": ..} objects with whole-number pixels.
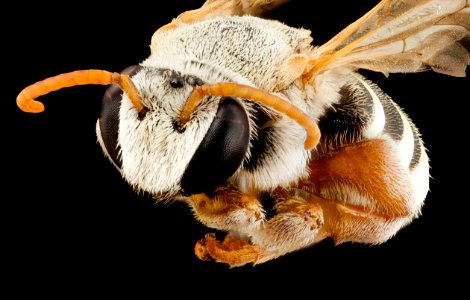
[
  {"x": 26, "y": 102},
  {"x": 250, "y": 93}
]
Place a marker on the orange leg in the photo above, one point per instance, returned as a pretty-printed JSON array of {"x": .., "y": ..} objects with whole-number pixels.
[
  {"x": 359, "y": 193},
  {"x": 368, "y": 188},
  {"x": 228, "y": 210},
  {"x": 230, "y": 251},
  {"x": 294, "y": 227}
]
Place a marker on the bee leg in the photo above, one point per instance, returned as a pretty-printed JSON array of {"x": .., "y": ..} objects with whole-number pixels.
[
  {"x": 232, "y": 211},
  {"x": 228, "y": 210},
  {"x": 368, "y": 193},
  {"x": 297, "y": 224},
  {"x": 349, "y": 223},
  {"x": 231, "y": 251}
]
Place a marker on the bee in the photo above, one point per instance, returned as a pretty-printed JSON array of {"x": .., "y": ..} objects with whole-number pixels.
[{"x": 276, "y": 141}]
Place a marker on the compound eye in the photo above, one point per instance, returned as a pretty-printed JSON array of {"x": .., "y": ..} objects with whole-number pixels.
[
  {"x": 221, "y": 152},
  {"x": 108, "y": 122}
]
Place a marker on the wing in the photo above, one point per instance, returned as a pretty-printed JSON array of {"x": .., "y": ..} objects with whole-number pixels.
[
  {"x": 215, "y": 8},
  {"x": 401, "y": 36},
  {"x": 249, "y": 7}
]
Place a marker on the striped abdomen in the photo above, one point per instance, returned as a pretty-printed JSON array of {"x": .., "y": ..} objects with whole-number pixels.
[{"x": 371, "y": 159}]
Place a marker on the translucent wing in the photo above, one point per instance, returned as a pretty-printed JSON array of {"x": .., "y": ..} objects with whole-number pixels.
[
  {"x": 249, "y": 7},
  {"x": 402, "y": 36},
  {"x": 216, "y": 8}
]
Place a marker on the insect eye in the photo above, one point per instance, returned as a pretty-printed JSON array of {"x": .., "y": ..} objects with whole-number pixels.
[
  {"x": 108, "y": 122},
  {"x": 176, "y": 81},
  {"x": 221, "y": 151}
]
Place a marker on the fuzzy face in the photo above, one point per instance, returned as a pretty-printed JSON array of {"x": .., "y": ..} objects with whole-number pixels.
[{"x": 154, "y": 153}]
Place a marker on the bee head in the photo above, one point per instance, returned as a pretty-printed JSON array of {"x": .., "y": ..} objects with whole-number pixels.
[{"x": 158, "y": 153}]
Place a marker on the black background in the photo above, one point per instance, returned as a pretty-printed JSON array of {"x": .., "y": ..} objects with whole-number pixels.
[{"x": 73, "y": 227}]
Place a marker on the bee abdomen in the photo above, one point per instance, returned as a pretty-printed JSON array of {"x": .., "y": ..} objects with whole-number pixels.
[{"x": 363, "y": 112}]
